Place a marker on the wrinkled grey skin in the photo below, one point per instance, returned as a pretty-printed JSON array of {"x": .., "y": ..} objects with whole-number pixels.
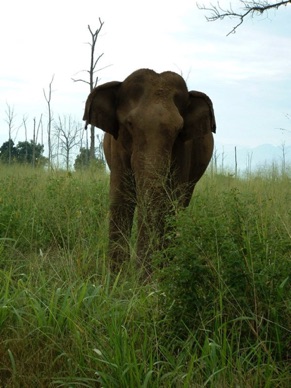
[{"x": 158, "y": 144}]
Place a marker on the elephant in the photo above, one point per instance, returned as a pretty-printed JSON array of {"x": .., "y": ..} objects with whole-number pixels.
[{"x": 158, "y": 143}]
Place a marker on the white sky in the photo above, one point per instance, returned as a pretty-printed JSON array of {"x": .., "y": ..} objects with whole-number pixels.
[{"x": 247, "y": 75}]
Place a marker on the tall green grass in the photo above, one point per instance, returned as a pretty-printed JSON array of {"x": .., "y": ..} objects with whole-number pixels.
[{"x": 215, "y": 314}]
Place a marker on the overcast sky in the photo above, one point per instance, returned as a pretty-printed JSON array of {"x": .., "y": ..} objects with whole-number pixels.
[{"x": 247, "y": 75}]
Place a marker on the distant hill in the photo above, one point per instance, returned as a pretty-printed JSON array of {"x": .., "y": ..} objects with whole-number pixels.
[{"x": 251, "y": 158}]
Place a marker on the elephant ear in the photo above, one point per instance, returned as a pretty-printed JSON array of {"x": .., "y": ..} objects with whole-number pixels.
[
  {"x": 199, "y": 117},
  {"x": 100, "y": 108}
]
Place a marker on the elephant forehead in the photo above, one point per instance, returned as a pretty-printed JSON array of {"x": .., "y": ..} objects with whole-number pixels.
[
  {"x": 150, "y": 85},
  {"x": 157, "y": 102},
  {"x": 157, "y": 98},
  {"x": 165, "y": 89}
]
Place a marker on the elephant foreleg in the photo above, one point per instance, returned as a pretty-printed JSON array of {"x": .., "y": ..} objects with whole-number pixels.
[
  {"x": 191, "y": 159},
  {"x": 120, "y": 224},
  {"x": 152, "y": 212},
  {"x": 122, "y": 205}
]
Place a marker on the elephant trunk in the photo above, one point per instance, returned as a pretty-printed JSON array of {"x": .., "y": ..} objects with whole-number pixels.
[{"x": 154, "y": 204}]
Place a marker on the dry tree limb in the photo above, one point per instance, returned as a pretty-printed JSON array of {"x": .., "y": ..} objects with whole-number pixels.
[{"x": 249, "y": 8}]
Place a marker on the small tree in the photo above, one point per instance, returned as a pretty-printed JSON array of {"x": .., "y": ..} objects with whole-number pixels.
[{"x": 82, "y": 159}]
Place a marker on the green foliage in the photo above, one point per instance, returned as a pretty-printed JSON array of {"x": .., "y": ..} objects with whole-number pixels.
[
  {"x": 24, "y": 152},
  {"x": 216, "y": 315},
  {"x": 83, "y": 161},
  {"x": 30, "y": 152},
  {"x": 8, "y": 151},
  {"x": 229, "y": 264}
]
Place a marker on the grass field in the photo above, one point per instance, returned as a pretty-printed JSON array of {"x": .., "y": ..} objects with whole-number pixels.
[{"x": 216, "y": 314}]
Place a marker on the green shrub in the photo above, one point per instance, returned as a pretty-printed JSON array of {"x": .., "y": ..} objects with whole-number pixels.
[{"x": 228, "y": 265}]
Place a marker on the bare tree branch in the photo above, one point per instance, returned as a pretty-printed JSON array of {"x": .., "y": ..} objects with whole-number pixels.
[
  {"x": 81, "y": 80},
  {"x": 68, "y": 133},
  {"x": 249, "y": 8},
  {"x": 93, "y": 61},
  {"x": 10, "y": 119}
]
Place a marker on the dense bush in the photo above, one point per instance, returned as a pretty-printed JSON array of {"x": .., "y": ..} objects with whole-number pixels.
[{"x": 228, "y": 265}]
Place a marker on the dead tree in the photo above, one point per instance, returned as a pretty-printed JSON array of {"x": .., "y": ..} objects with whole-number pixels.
[
  {"x": 10, "y": 120},
  {"x": 35, "y": 137},
  {"x": 249, "y": 8},
  {"x": 68, "y": 134},
  {"x": 93, "y": 80},
  {"x": 235, "y": 162},
  {"x": 50, "y": 119},
  {"x": 24, "y": 121}
]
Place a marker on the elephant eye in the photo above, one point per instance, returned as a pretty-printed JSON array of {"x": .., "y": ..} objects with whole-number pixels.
[{"x": 128, "y": 123}]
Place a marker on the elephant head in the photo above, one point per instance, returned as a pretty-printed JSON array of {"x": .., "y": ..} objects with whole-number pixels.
[{"x": 157, "y": 133}]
